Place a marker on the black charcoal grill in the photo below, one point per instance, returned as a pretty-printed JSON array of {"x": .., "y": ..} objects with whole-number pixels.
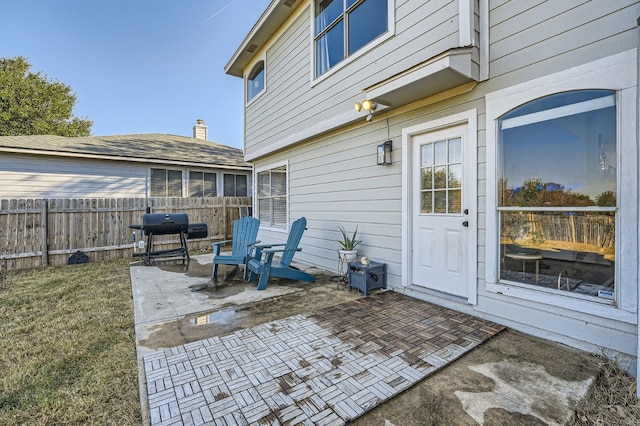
[{"x": 168, "y": 224}]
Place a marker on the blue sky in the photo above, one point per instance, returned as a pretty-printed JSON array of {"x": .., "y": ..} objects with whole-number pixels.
[{"x": 138, "y": 66}]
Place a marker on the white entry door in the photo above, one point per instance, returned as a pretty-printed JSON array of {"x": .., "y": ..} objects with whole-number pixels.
[{"x": 440, "y": 213}]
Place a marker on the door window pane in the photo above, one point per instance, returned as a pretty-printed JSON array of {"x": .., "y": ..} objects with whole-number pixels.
[
  {"x": 446, "y": 176},
  {"x": 427, "y": 202},
  {"x": 440, "y": 201}
]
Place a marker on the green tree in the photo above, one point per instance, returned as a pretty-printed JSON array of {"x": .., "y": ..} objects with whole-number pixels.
[{"x": 31, "y": 104}]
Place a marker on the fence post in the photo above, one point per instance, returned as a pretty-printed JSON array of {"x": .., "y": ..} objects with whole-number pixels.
[
  {"x": 224, "y": 217},
  {"x": 45, "y": 232}
]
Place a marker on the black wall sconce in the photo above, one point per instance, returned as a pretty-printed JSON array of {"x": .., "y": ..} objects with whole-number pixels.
[{"x": 384, "y": 153}]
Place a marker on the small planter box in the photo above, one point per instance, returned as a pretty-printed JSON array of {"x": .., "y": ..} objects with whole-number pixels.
[{"x": 367, "y": 278}]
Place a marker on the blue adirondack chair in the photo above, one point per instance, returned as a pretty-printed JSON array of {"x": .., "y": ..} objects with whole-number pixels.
[
  {"x": 262, "y": 263},
  {"x": 245, "y": 231}
]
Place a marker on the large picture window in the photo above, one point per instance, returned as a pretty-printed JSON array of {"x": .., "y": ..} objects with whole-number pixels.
[
  {"x": 342, "y": 27},
  {"x": 272, "y": 197},
  {"x": 166, "y": 183},
  {"x": 557, "y": 193}
]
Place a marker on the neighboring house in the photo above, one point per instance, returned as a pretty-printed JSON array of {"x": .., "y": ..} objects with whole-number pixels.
[
  {"x": 147, "y": 165},
  {"x": 513, "y": 189}
]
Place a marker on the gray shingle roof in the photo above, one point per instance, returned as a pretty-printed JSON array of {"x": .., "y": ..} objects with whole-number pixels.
[{"x": 145, "y": 147}]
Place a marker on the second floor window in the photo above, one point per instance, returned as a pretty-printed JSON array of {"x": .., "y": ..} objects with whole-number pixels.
[
  {"x": 344, "y": 26},
  {"x": 255, "y": 81}
]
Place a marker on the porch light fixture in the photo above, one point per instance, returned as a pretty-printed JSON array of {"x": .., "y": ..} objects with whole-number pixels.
[
  {"x": 384, "y": 153},
  {"x": 366, "y": 105}
]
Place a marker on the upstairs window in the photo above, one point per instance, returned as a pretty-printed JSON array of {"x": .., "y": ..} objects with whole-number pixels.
[
  {"x": 235, "y": 185},
  {"x": 255, "y": 81},
  {"x": 342, "y": 27},
  {"x": 202, "y": 184},
  {"x": 166, "y": 183}
]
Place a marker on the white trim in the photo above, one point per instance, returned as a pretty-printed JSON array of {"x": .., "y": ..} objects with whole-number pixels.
[
  {"x": 559, "y": 112},
  {"x": 391, "y": 31},
  {"x": 465, "y": 23},
  {"x": 260, "y": 58},
  {"x": 469, "y": 118},
  {"x": 567, "y": 302},
  {"x": 270, "y": 166},
  {"x": 484, "y": 40},
  {"x": 617, "y": 72}
]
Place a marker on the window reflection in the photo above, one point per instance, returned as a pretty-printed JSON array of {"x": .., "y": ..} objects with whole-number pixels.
[
  {"x": 255, "y": 82},
  {"x": 357, "y": 22},
  {"x": 559, "y": 153}
]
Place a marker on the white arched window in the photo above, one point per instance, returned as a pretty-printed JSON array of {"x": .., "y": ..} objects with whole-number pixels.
[{"x": 255, "y": 81}]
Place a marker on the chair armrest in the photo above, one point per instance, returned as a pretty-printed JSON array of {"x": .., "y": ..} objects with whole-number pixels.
[
  {"x": 272, "y": 250},
  {"x": 262, "y": 246},
  {"x": 220, "y": 243}
]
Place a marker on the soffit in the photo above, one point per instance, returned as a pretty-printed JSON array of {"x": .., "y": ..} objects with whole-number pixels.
[
  {"x": 266, "y": 27},
  {"x": 443, "y": 72}
]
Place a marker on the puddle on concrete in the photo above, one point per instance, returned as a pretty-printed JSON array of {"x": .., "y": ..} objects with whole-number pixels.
[
  {"x": 231, "y": 317},
  {"x": 217, "y": 291},
  {"x": 218, "y": 318},
  {"x": 191, "y": 269}
]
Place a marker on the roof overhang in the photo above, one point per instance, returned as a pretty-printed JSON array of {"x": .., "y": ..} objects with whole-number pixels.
[
  {"x": 439, "y": 74},
  {"x": 266, "y": 27},
  {"x": 49, "y": 153}
]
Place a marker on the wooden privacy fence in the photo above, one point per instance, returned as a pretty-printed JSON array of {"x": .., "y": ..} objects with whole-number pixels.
[
  {"x": 37, "y": 232},
  {"x": 597, "y": 230}
]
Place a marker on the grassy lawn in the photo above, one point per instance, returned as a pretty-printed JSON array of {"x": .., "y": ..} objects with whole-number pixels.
[{"x": 67, "y": 352}]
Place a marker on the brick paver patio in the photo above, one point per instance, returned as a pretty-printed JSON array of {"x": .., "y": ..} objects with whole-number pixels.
[{"x": 325, "y": 368}]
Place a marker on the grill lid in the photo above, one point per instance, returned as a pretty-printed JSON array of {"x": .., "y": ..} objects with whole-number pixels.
[{"x": 165, "y": 223}]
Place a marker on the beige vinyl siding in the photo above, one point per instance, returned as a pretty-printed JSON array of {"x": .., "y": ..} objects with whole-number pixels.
[
  {"x": 293, "y": 102},
  {"x": 334, "y": 179},
  {"x": 28, "y": 176},
  {"x": 548, "y": 36}
]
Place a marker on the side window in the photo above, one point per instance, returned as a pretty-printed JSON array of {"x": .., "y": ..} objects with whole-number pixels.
[
  {"x": 342, "y": 27},
  {"x": 557, "y": 193},
  {"x": 202, "y": 184},
  {"x": 272, "y": 197},
  {"x": 165, "y": 183},
  {"x": 255, "y": 81},
  {"x": 235, "y": 185}
]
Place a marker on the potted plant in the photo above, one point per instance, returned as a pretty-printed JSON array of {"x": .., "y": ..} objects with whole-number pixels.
[{"x": 348, "y": 244}]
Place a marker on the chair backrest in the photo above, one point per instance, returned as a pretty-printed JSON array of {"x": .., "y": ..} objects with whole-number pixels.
[
  {"x": 245, "y": 231},
  {"x": 295, "y": 234}
]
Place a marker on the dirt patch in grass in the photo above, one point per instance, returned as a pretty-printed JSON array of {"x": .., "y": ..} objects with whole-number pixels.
[{"x": 67, "y": 351}]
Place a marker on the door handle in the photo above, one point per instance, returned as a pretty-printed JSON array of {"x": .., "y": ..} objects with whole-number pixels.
[
  {"x": 465, "y": 223},
  {"x": 466, "y": 211}
]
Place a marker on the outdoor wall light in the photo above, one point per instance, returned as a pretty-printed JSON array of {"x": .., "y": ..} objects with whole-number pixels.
[
  {"x": 366, "y": 105},
  {"x": 384, "y": 153}
]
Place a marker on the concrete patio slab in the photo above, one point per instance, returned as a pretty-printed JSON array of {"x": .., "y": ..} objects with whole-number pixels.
[{"x": 319, "y": 354}]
